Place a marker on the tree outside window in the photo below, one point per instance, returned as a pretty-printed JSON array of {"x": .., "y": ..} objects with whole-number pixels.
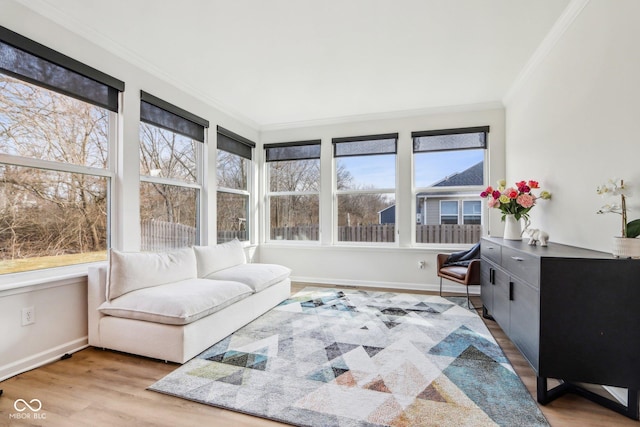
[
  {"x": 365, "y": 188},
  {"x": 233, "y": 170},
  {"x": 293, "y": 171},
  {"x": 171, "y": 146}
]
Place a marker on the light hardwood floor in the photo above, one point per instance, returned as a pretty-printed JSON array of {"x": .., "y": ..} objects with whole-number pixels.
[{"x": 105, "y": 388}]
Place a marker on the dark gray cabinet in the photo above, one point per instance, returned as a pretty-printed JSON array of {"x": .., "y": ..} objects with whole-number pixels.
[{"x": 573, "y": 313}]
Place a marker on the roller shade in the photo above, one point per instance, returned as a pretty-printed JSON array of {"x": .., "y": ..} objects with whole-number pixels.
[
  {"x": 450, "y": 139},
  {"x": 300, "y": 150},
  {"x": 365, "y": 145},
  {"x": 35, "y": 63},
  {"x": 160, "y": 113},
  {"x": 234, "y": 143}
]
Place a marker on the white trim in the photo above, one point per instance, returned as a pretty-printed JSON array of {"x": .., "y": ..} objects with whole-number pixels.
[
  {"x": 28, "y": 162},
  {"x": 563, "y": 23},
  {"x": 170, "y": 181},
  {"x": 387, "y": 115},
  {"x": 42, "y": 358},
  {"x": 620, "y": 394},
  {"x": 17, "y": 283},
  {"x": 431, "y": 287},
  {"x": 78, "y": 27}
]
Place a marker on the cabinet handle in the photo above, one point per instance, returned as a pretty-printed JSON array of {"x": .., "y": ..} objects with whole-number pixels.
[
  {"x": 517, "y": 258},
  {"x": 510, "y": 291},
  {"x": 492, "y": 276}
]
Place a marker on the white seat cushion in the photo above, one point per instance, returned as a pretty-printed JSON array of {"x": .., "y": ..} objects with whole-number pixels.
[
  {"x": 178, "y": 303},
  {"x": 256, "y": 276}
]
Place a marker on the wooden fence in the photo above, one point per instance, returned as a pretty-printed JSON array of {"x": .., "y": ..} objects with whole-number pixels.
[
  {"x": 448, "y": 233},
  {"x": 161, "y": 235},
  {"x": 439, "y": 233},
  {"x": 299, "y": 232}
]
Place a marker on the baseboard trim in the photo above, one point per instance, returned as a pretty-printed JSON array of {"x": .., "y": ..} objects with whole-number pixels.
[
  {"x": 42, "y": 358},
  {"x": 448, "y": 288}
]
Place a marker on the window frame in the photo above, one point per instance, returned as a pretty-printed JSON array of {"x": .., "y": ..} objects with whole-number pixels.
[
  {"x": 457, "y": 214},
  {"x": 170, "y": 118},
  {"x": 465, "y": 201},
  {"x": 347, "y": 192},
  {"x": 459, "y": 192},
  {"x": 110, "y": 102},
  {"x": 269, "y": 193},
  {"x": 245, "y": 148}
]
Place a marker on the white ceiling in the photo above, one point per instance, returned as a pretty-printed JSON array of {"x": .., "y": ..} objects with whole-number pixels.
[{"x": 274, "y": 62}]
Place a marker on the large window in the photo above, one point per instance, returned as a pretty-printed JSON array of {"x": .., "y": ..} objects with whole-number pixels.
[
  {"x": 365, "y": 177},
  {"x": 57, "y": 123},
  {"x": 293, "y": 176},
  {"x": 234, "y": 166},
  {"x": 171, "y": 146},
  {"x": 448, "y": 178}
]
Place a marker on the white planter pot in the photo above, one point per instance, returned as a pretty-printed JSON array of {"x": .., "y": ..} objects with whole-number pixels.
[
  {"x": 624, "y": 247},
  {"x": 512, "y": 228}
]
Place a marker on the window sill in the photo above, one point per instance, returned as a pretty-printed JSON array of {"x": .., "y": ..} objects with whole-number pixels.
[{"x": 50, "y": 277}]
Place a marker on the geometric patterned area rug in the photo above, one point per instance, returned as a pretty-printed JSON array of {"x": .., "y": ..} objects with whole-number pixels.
[{"x": 338, "y": 357}]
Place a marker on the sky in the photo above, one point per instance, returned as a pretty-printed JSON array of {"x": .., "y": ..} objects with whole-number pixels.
[{"x": 379, "y": 171}]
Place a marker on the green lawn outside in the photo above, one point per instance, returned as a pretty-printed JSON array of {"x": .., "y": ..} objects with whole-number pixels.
[{"x": 28, "y": 264}]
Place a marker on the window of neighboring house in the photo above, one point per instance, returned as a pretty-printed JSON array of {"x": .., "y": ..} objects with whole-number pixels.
[
  {"x": 471, "y": 211},
  {"x": 57, "y": 127},
  {"x": 293, "y": 198},
  {"x": 365, "y": 177},
  {"x": 235, "y": 154},
  {"x": 449, "y": 164},
  {"x": 449, "y": 212},
  {"x": 171, "y": 147}
]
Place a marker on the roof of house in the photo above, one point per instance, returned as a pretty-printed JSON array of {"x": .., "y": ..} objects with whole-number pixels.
[{"x": 471, "y": 176}]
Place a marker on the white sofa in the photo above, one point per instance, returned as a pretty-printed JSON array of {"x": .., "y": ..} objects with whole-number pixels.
[{"x": 173, "y": 305}]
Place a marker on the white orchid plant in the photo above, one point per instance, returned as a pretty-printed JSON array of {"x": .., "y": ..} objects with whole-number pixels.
[{"x": 617, "y": 188}]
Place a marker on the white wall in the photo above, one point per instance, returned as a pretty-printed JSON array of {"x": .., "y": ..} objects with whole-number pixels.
[
  {"x": 61, "y": 310},
  {"x": 379, "y": 266},
  {"x": 574, "y": 123}
]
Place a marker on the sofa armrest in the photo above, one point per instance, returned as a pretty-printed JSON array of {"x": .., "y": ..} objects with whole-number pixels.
[{"x": 96, "y": 295}]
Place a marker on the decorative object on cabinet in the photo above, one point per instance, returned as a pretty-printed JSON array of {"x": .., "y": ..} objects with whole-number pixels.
[
  {"x": 626, "y": 245},
  {"x": 568, "y": 311},
  {"x": 537, "y": 236},
  {"x": 461, "y": 267},
  {"x": 514, "y": 203}
]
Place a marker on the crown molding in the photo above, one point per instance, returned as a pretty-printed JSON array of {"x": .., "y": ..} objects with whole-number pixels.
[
  {"x": 52, "y": 13},
  {"x": 388, "y": 115},
  {"x": 563, "y": 23}
]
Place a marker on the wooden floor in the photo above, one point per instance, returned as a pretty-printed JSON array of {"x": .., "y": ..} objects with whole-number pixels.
[{"x": 106, "y": 388}]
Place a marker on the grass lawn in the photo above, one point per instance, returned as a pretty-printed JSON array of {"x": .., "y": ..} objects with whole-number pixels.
[{"x": 18, "y": 265}]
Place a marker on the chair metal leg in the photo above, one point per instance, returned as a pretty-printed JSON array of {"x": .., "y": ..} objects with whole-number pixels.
[
  {"x": 468, "y": 305},
  {"x": 440, "y": 286}
]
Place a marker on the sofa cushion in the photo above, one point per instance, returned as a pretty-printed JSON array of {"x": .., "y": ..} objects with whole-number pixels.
[
  {"x": 130, "y": 271},
  {"x": 218, "y": 257},
  {"x": 256, "y": 276},
  {"x": 178, "y": 303}
]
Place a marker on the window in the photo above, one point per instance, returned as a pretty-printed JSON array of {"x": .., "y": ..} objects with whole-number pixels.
[
  {"x": 471, "y": 211},
  {"x": 449, "y": 168},
  {"x": 171, "y": 146},
  {"x": 293, "y": 176},
  {"x": 234, "y": 176},
  {"x": 449, "y": 212},
  {"x": 57, "y": 124},
  {"x": 365, "y": 177}
]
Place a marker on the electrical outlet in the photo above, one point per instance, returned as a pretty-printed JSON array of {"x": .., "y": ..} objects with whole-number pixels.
[
  {"x": 422, "y": 265},
  {"x": 28, "y": 316}
]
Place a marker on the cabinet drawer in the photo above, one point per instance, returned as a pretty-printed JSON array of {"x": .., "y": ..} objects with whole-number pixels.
[
  {"x": 522, "y": 265},
  {"x": 491, "y": 251}
]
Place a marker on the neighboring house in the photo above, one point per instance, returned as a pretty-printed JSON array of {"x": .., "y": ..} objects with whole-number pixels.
[{"x": 447, "y": 207}]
